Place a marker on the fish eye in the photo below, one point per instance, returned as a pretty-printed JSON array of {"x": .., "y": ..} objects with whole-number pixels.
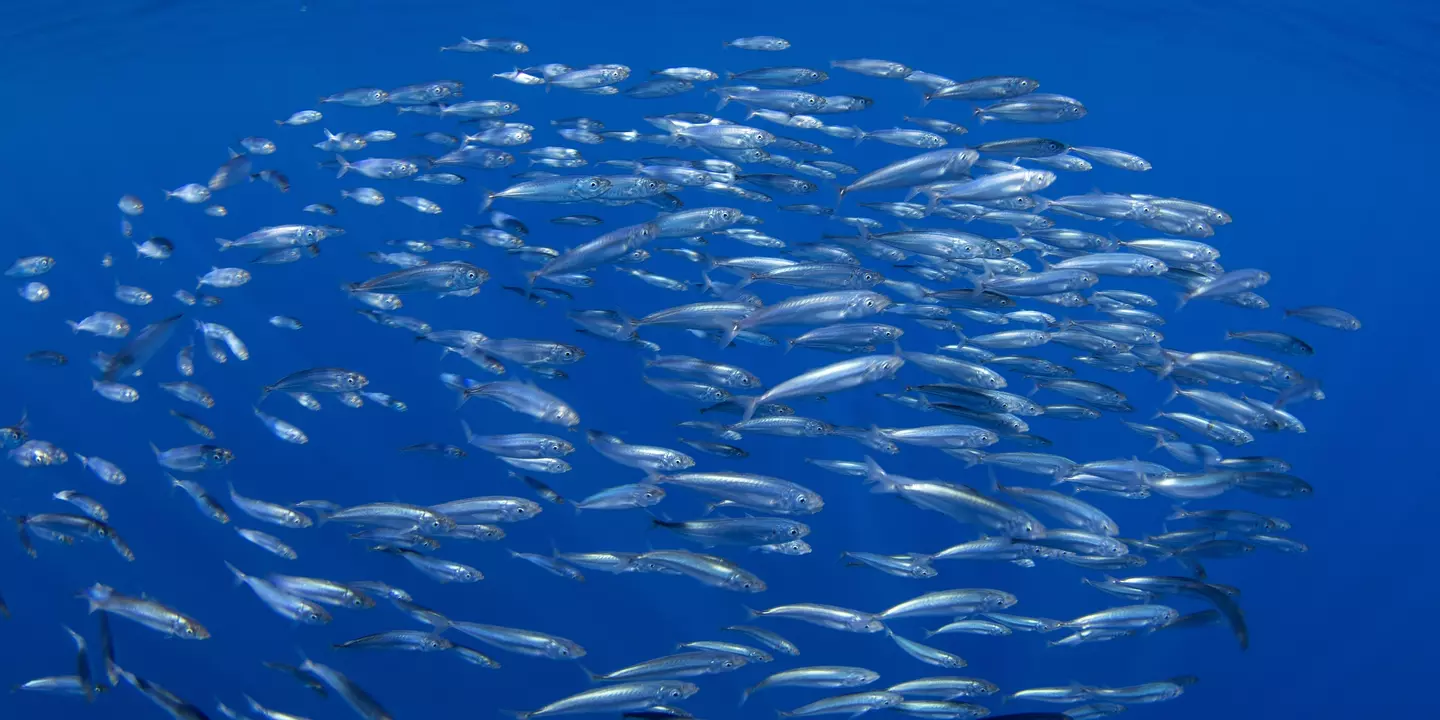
[
  {"x": 189, "y": 631},
  {"x": 802, "y": 499},
  {"x": 470, "y": 275}
]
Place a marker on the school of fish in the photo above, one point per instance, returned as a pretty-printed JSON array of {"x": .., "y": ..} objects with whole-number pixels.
[{"x": 1034, "y": 305}]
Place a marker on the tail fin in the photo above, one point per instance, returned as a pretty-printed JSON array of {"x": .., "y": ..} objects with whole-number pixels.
[
  {"x": 239, "y": 576},
  {"x": 726, "y": 340},
  {"x": 344, "y": 165},
  {"x": 875, "y": 474},
  {"x": 749, "y": 403},
  {"x": 1174, "y": 393}
]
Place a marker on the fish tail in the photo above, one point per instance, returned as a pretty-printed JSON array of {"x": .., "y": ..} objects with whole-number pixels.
[
  {"x": 239, "y": 576},
  {"x": 344, "y": 165},
  {"x": 224, "y": 245},
  {"x": 487, "y": 198},
  {"x": 74, "y": 326},
  {"x": 875, "y": 474},
  {"x": 531, "y": 277},
  {"x": 1174, "y": 393},
  {"x": 1166, "y": 368},
  {"x": 726, "y": 340}
]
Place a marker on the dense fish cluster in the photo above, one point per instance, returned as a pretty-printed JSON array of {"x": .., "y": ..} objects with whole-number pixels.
[{"x": 958, "y": 283}]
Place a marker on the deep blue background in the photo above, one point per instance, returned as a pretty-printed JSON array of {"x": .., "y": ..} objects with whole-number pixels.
[{"x": 1312, "y": 124}]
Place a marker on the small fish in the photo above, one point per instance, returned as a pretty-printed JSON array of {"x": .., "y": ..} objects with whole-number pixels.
[
  {"x": 268, "y": 542},
  {"x": 224, "y": 278},
  {"x": 269, "y": 512},
  {"x": 202, "y": 499},
  {"x": 195, "y": 425},
  {"x": 302, "y": 117},
  {"x": 768, "y": 43},
  {"x": 35, "y": 292},
  {"x": 47, "y": 357}
]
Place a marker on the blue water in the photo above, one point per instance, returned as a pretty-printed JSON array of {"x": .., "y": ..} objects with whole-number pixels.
[{"x": 1312, "y": 124}]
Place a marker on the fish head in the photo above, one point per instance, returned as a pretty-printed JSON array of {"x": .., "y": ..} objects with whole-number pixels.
[
  {"x": 677, "y": 461},
  {"x": 741, "y": 378},
  {"x": 867, "y": 624},
  {"x": 1022, "y": 86},
  {"x": 561, "y": 648},
  {"x": 671, "y": 690},
  {"x": 563, "y": 415},
  {"x": 885, "y": 367},
  {"x": 922, "y": 572},
  {"x": 189, "y": 629},
  {"x": 648, "y": 495},
  {"x": 217, "y": 456},
  {"x": 869, "y": 278},
  {"x": 744, "y": 582},
  {"x": 1143, "y": 210},
  {"x": 353, "y": 380},
  {"x": 590, "y": 187},
  {"x": 806, "y": 501},
  {"x": 866, "y": 304},
  {"x": 523, "y": 510},
  {"x": 725, "y": 662}
]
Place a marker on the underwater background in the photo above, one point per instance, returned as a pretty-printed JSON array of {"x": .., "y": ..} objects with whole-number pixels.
[{"x": 1311, "y": 123}]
